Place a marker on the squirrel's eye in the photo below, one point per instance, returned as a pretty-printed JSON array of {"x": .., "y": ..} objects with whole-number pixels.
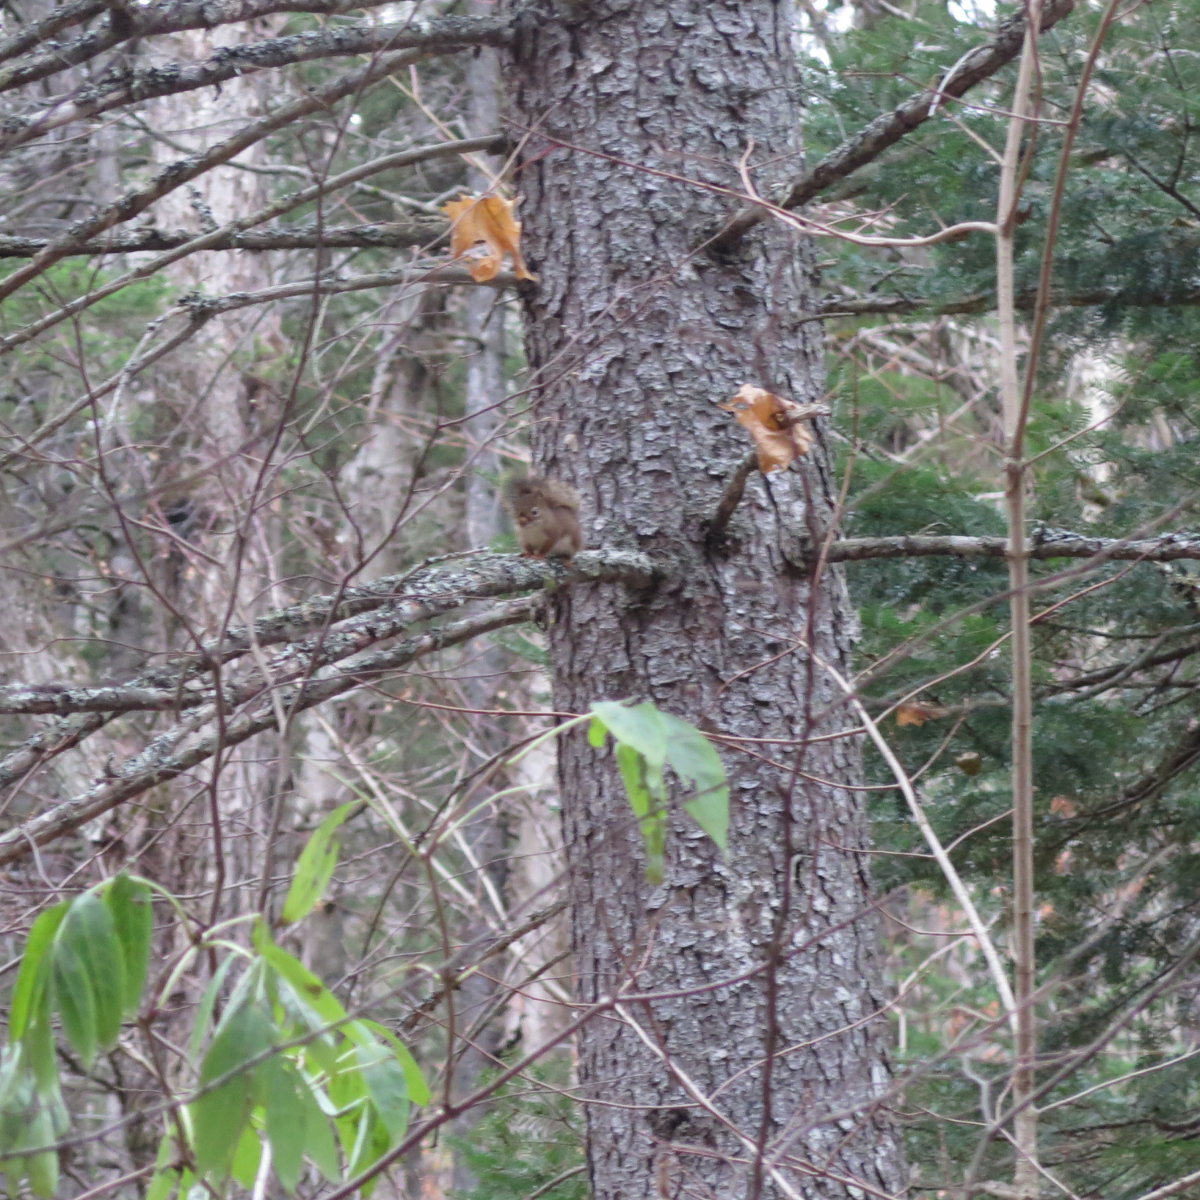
[{"x": 533, "y": 512}]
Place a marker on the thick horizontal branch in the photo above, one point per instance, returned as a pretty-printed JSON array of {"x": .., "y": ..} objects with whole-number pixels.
[
  {"x": 886, "y": 130},
  {"x": 1044, "y": 543},
  {"x": 424, "y": 593},
  {"x": 391, "y": 235},
  {"x": 317, "y": 638},
  {"x": 181, "y": 749},
  {"x": 166, "y": 16},
  {"x": 122, "y": 87},
  {"x": 981, "y": 302},
  {"x": 390, "y": 604}
]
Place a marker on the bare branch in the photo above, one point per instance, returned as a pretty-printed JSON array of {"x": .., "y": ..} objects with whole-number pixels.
[
  {"x": 119, "y": 88},
  {"x": 178, "y": 750},
  {"x": 392, "y": 235},
  {"x": 886, "y": 130},
  {"x": 41, "y": 31},
  {"x": 403, "y": 600},
  {"x": 182, "y": 171},
  {"x": 214, "y": 238},
  {"x": 730, "y": 499},
  {"x": 1044, "y": 543},
  {"x": 157, "y": 19},
  {"x": 184, "y": 746},
  {"x": 981, "y": 302}
]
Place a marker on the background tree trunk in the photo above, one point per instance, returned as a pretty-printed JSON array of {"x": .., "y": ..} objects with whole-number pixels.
[{"x": 766, "y": 954}]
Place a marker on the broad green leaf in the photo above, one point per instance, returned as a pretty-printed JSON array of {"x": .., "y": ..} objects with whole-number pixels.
[
  {"x": 318, "y": 1134},
  {"x": 162, "y": 1185},
  {"x": 247, "y": 1158},
  {"x": 205, "y": 1009},
  {"x": 370, "y": 1144},
  {"x": 39, "y": 1049},
  {"x": 315, "y": 866},
  {"x": 74, "y": 1000},
  {"x": 165, "y": 1178},
  {"x": 695, "y": 760},
  {"x": 418, "y": 1089},
  {"x": 89, "y": 931},
  {"x": 358, "y": 1152},
  {"x": 17, "y": 1100},
  {"x": 286, "y": 1121},
  {"x": 219, "y": 1116},
  {"x": 648, "y": 806},
  {"x": 639, "y": 726},
  {"x": 128, "y": 901},
  {"x": 388, "y": 1088},
  {"x": 307, "y": 986},
  {"x": 34, "y": 973},
  {"x": 649, "y": 740},
  {"x": 346, "y": 1085},
  {"x": 41, "y": 1168}
]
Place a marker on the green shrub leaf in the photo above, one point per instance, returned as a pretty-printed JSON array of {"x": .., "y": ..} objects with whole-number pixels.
[
  {"x": 649, "y": 740},
  {"x": 128, "y": 902},
  {"x": 34, "y": 974},
  {"x": 315, "y": 867},
  {"x": 219, "y": 1116}
]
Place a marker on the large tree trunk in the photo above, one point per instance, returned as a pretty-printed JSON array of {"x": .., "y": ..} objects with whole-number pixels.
[{"x": 633, "y": 338}]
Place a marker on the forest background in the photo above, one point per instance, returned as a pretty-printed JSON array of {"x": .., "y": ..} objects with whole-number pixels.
[{"x": 287, "y": 905}]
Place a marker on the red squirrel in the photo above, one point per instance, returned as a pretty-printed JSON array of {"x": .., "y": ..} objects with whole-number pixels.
[{"x": 547, "y": 515}]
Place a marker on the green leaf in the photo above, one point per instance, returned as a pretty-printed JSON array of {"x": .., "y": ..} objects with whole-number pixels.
[
  {"x": 346, "y": 1086},
  {"x": 219, "y": 1116},
  {"x": 17, "y": 1100},
  {"x": 418, "y": 1089},
  {"x": 370, "y": 1143},
  {"x": 307, "y": 986},
  {"x": 649, "y": 806},
  {"x": 41, "y": 1168},
  {"x": 286, "y": 1121},
  {"x": 388, "y": 1088},
  {"x": 247, "y": 1158},
  {"x": 39, "y": 1050},
  {"x": 35, "y": 969},
  {"x": 638, "y": 726},
  {"x": 89, "y": 931},
  {"x": 162, "y": 1185},
  {"x": 75, "y": 1001},
  {"x": 165, "y": 1177},
  {"x": 648, "y": 740},
  {"x": 318, "y": 1134},
  {"x": 315, "y": 867},
  {"x": 695, "y": 760},
  {"x": 205, "y": 1009},
  {"x": 128, "y": 901}
]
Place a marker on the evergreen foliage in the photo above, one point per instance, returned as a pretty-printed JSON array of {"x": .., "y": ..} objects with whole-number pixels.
[{"x": 1115, "y": 672}]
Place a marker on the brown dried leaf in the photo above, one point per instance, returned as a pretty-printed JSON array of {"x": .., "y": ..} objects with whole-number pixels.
[
  {"x": 773, "y": 422},
  {"x": 487, "y": 222},
  {"x": 917, "y": 712}
]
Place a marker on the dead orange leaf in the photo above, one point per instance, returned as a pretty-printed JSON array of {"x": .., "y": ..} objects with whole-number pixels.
[
  {"x": 917, "y": 712},
  {"x": 774, "y": 424},
  {"x": 487, "y": 222}
]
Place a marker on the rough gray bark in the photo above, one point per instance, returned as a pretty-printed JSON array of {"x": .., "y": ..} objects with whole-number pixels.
[{"x": 766, "y": 954}]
